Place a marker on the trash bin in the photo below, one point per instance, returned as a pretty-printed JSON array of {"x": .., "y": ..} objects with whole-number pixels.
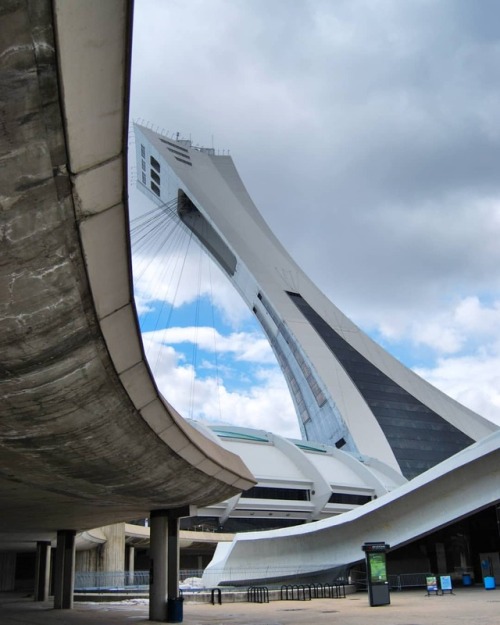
[
  {"x": 489, "y": 583},
  {"x": 174, "y": 610},
  {"x": 466, "y": 579}
]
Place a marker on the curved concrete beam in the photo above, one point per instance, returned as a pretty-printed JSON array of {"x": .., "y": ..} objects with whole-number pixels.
[{"x": 86, "y": 439}]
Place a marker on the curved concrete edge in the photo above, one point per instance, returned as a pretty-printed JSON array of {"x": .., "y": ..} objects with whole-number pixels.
[
  {"x": 90, "y": 539},
  {"x": 463, "y": 484},
  {"x": 187, "y": 537},
  {"x": 95, "y": 98}
]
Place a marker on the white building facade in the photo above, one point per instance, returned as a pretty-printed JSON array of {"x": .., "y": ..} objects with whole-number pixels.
[{"x": 297, "y": 481}]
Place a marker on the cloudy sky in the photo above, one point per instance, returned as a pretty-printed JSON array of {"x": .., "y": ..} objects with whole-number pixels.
[{"x": 368, "y": 134}]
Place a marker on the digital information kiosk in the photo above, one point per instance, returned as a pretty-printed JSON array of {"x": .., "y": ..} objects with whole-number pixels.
[{"x": 376, "y": 573}]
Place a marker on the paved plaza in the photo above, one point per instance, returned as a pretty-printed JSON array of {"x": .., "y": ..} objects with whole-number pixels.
[{"x": 471, "y": 606}]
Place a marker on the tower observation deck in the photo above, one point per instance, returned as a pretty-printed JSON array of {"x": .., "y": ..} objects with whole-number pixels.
[{"x": 347, "y": 390}]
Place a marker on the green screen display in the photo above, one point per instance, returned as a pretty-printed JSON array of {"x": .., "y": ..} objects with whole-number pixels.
[{"x": 378, "y": 570}]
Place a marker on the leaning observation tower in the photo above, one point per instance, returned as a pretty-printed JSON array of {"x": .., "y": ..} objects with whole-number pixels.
[{"x": 347, "y": 390}]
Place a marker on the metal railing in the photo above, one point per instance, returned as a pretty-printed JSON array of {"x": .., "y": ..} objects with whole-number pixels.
[
  {"x": 111, "y": 581},
  {"x": 185, "y": 574},
  {"x": 408, "y": 580},
  {"x": 138, "y": 581},
  {"x": 91, "y": 581},
  {"x": 319, "y": 590},
  {"x": 295, "y": 592},
  {"x": 258, "y": 594}
]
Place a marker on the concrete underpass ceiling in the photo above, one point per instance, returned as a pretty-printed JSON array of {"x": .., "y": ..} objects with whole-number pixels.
[{"x": 85, "y": 439}]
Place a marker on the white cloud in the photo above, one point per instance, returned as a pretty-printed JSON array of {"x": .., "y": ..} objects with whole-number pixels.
[
  {"x": 476, "y": 319},
  {"x": 265, "y": 405},
  {"x": 466, "y": 345},
  {"x": 469, "y": 323},
  {"x": 472, "y": 380},
  {"x": 244, "y": 346}
]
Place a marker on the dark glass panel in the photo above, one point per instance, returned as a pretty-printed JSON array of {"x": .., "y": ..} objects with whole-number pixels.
[
  {"x": 264, "y": 492},
  {"x": 155, "y": 163},
  {"x": 348, "y": 498},
  {"x": 418, "y": 436}
]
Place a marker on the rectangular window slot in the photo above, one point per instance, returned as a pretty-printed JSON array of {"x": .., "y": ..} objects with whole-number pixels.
[
  {"x": 155, "y": 163},
  {"x": 155, "y": 176},
  {"x": 183, "y": 161},
  {"x": 349, "y": 499},
  {"x": 178, "y": 153},
  {"x": 267, "y": 492},
  {"x": 174, "y": 145},
  {"x": 155, "y": 188}
]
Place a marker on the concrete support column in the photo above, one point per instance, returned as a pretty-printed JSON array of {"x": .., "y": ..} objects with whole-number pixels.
[
  {"x": 173, "y": 558},
  {"x": 113, "y": 550},
  {"x": 130, "y": 563},
  {"x": 164, "y": 564},
  {"x": 158, "y": 565},
  {"x": 64, "y": 578},
  {"x": 42, "y": 572},
  {"x": 7, "y": 571}
]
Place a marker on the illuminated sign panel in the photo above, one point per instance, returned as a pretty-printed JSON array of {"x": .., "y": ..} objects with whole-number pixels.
[{"x": 378, "y": 568}]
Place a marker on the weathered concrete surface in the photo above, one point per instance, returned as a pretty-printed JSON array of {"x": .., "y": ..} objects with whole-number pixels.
[{"x": 85, "y": 439}]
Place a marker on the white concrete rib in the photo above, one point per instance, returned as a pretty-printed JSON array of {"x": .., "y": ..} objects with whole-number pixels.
[{"x": 95, "y": 89}]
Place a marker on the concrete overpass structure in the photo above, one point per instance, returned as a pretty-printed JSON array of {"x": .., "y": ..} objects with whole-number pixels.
[{"x": 85, "y": 438}]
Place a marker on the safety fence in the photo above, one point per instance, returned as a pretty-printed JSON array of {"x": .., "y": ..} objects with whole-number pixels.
[
  {"x": 138, "y": 581},
  {"x": 396, "y": 582},
  {"x": 186, "y": 574},
  {"x": 123, "y": 580},
  {"x": 111, "y": 581},
  {"x": 408, "y": 580}
]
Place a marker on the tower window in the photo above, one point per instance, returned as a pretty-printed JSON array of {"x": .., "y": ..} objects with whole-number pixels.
[
  {"x": 155, "y": 176},
  {"x": 155, "y": 163},
  {"x": 143, "y": 151},
  {"x": 155, "y": 188}
]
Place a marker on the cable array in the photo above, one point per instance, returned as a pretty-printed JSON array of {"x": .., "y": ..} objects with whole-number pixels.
[{"x": 161, "y": 245}]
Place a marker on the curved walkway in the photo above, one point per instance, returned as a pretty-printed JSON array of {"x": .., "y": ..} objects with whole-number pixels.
[{"x": 86, "y": 439}]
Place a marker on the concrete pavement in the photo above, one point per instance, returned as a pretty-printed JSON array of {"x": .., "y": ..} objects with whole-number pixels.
[{"x": 467, "y": 606}]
